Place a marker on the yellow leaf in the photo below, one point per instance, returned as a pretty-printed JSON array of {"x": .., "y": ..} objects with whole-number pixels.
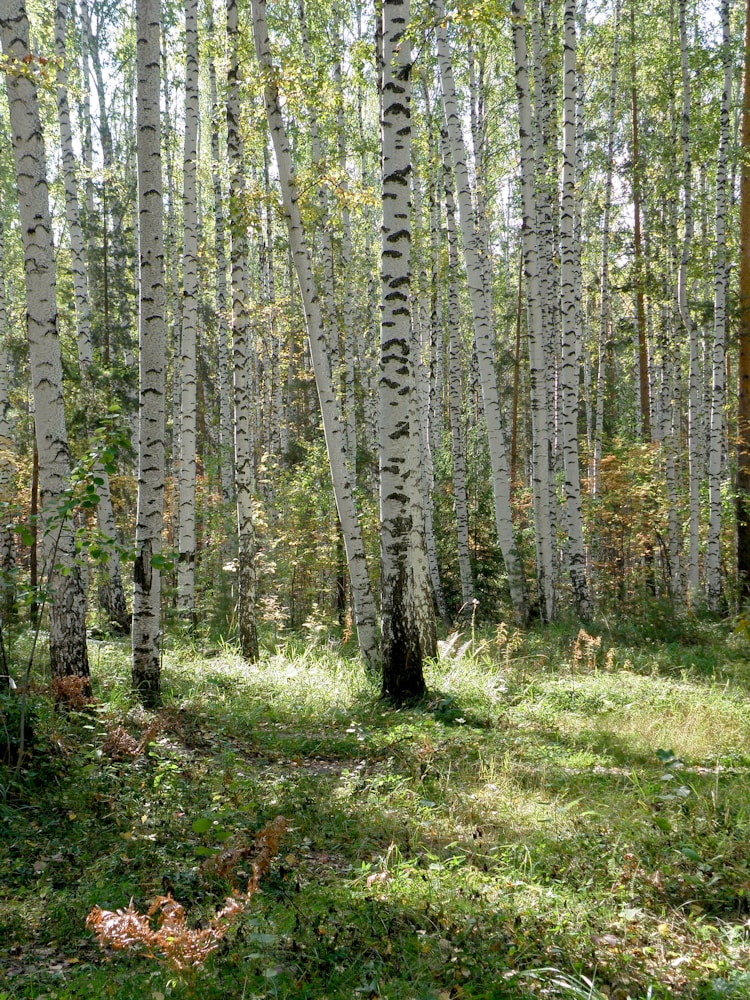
[{"x": 72, "y": 816}]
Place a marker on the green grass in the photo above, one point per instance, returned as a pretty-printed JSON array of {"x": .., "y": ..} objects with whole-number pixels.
[{"x": 555, "y": 819}]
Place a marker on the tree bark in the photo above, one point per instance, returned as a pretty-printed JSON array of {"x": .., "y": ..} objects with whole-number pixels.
[
  {"x": 152, "y": 353},
  {"x": 67, "y": 598},
  {"x": 743, "y": 362},
  {"x": 406, "y": 603}
]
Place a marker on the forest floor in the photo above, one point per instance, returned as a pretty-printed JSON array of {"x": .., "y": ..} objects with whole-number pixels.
[{"x": 563, "y": 816}]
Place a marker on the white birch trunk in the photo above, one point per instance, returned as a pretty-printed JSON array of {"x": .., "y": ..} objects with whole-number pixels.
[
  {"x": 226, "y": 446},
  {"x": 188, "y": 376},
  {"x": 718, "y": 351},
  {"x": 7, "y": 542},
  {"x": 605, "y": 310},
  {"x": 152, "y": 355},
  {"x": 111, "y": 593},
  {"x": 406, "y": 603},
  {"x": 242, "y": 357},
  {"x": 483, "y": 332},
  {"x": 362, "y": 597},
  {"x": 691, "y": 331},
  {"x": 67, "y": 598},
  {"x": 455, "y": 396},
  {"x": 569, "y": 372},
  {"x": 537, "y": 362}
]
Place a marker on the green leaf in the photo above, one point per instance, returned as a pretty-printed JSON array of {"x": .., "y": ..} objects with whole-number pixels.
[
  {"x": 690, "y": 853},
  {"x": 202, "y": 825}
]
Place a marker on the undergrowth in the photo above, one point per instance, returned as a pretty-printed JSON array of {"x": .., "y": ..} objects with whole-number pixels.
[{"x": 565, "y": 814}]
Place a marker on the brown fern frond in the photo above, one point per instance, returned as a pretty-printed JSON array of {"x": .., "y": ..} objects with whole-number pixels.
[
  {"x": 71, "y": 691},
  {"x": 120, "y": 745},
  {"x": 172, "y": 942},
  {"x": 267, "y": 843}
]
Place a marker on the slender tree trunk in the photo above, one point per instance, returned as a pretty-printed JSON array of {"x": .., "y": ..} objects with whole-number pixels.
[
  {"x": 718, "y": 352},
  {"x": 152, "y": 353},
  {"x": 537, "y": 363},
  {"x": 569, "y": 373},
  {"x": 743, "y": 362},
  {"x": 605, "y": 306},
  {"x": 7, "y": 542},
  {"x": 242, "y": 358},
  {"x": 455, "y": 396},
  {"x": 111, "y": 593},
  {"x": 689, "y": 327},
  {"x": 226, "y": 447},
  {"x": 643, "y": 380},
  {"x": 67, "y": 598},
  {"x": 188, "y": 374},
  {"x": 483, "y": 332},
  {"x": 333, "y": 428}
]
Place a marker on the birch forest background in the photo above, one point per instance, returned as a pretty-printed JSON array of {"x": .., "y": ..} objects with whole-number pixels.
[
  {"x": 375, "y": 499},
  {"x": 357, "y": 318}
]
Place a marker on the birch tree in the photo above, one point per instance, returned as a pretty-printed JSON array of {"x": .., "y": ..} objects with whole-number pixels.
[
  {"x": 569, "y": 376},
  {"x": 67, "y": 598},
  {"x": 406, "y": 603},
  {"x": 7, "y": 543},
  {"x": 743, "y": 362},
  {"x": 718, "y": 350},
  {"x": 333, "y": 426},
  {"x": 241, "y": 355},
  {"x": 482, "y": 325},
  {"x": 689, "y": 327},
  {"x": 111, "y": 593},
  {"x": 152, "y": 352},
  {"x": 535, "y": 327},
  {"x": 187, "y": 381}
]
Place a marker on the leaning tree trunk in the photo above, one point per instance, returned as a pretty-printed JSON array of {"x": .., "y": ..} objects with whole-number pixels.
[
  {"x": 187, "y": 353},
  {"x": 152, "y": 354},
  {"x": 483, "y": 333},
  {"x": 333, "y": 427},
  {"x": 718, "y": 352},
  {"x": 67, "y": 598}
]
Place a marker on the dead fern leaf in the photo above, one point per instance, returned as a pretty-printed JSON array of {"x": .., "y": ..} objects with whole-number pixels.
[{"x": 172, "y": 942}]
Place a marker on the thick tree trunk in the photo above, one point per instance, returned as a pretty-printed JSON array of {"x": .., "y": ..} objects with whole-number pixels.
[
  {"x": 406, "y": 603},
  {"x": 152, "y": 354},
  {"x": 67, "y": 598}
]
